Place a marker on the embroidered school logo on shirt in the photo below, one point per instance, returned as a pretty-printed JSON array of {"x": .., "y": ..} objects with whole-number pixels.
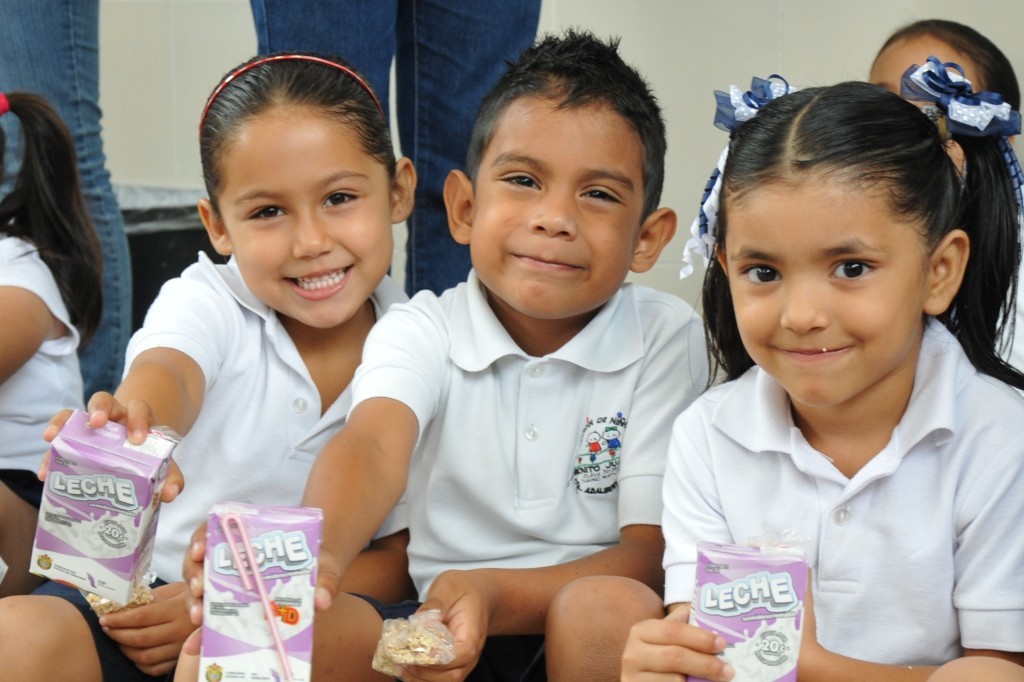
[{"x": 596, "y": 466}]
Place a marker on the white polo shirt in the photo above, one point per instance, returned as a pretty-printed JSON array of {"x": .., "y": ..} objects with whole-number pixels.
[
  {"x": 260, "y": 428},
  {"x": 918, "y": 554},
  {"x": 51, "y": 379},
  {"x": 525, "y": 462}
]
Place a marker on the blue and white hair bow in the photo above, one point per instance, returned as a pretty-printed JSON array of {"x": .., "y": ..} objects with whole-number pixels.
[
  {"x": 975, "y": 114},
  {"x": 733, "y": 109}
]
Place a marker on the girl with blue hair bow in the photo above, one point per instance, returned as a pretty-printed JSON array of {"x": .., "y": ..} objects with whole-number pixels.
[{"x": 862, "y": 258}]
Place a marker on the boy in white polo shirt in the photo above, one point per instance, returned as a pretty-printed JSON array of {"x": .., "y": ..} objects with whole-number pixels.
[{"x": 529, "y": 408}]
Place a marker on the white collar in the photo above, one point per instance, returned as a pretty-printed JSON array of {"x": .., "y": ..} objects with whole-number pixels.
[
  {"x": 757, "y": 399},
  {"x": 610, "y": 342}
]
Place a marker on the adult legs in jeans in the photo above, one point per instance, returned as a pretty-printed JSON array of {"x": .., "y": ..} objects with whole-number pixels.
[
  {"x": 51, "y": 47},
  {"x": 448, "y": 54}
]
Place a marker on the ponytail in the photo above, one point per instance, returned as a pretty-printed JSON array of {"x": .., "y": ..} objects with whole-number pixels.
[
  {"x": 982, "y": 313},
  {"x": 46, "y": 208}
]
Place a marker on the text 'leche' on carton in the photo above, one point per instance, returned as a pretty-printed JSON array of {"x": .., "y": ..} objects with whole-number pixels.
[
  {"x": 98, "y": 513},
  {"x": 753, "y": 598},
  {"x": 260, "y": 576}
]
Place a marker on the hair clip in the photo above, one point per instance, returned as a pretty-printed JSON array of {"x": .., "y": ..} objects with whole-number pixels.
[
  {"x": 977, "y": 114},
  {"x": 732, "y": 110},
  {"x": 736, "y": 106},
  {"x": 235, "y": 519}
]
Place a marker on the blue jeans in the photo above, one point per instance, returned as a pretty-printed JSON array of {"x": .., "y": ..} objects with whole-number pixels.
[
  {"x": 51, "y": 47},
  {"x": 448, "y": 54}
]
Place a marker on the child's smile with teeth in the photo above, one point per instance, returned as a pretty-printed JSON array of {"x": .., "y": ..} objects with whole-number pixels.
[{"x": 322, "y": 281}]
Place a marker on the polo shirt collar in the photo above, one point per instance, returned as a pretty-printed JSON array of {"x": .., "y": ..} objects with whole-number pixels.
[
  {"x": 611, "y": 341},
  {"x": 756, "y": 412},
  {"x": 231, "y": 277}
]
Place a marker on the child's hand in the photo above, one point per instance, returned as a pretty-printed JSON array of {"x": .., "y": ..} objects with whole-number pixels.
[
  {"x": 192, "y": 572},
  {"x": 137, "y": 419},
  {"x": 809, "y": 646},
  {"x": 464, "y": 610},
  {"x": 188, "y": 661},
  {"x": 137, "y": 416},
  {"x": 328, "y": 580},
  {"x": 151, "y": 636},
  {"x": 670, "y": 647},
  {"x": 55, "y": 424}
]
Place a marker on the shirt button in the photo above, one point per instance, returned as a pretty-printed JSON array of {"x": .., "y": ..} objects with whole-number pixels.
[
  {"x": 531, "y": 433},
  {"x": 841, "y": 515},
  {"x": 537, "y": 371},
  {"x": 299, "y": 405}
]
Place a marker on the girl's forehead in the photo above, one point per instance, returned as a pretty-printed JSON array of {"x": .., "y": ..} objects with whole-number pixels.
[
  {"x": 834, "y": 186},
  {"x": 814, "y": 208}
]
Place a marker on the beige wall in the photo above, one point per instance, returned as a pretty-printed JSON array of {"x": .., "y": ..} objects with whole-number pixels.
[{"x": 160, "y": 58}]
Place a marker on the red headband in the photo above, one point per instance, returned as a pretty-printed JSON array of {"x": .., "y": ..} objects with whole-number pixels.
[
  {"x": 277, "y": 58},
  {"x": 5, "y": 106}
]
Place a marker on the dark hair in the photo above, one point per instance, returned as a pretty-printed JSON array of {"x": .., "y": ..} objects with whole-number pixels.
[
  {"x": 863, "y": 135},
  {"x": 46, "y": 208},
  {"x": 294, "y": 79},
  {"x": 576, "y": 69},
  {"x": 994, "y": 70}
]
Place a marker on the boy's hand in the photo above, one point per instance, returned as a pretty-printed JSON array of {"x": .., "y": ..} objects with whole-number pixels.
[
  {"x": 670, "y": 647},
  {"x": 151, "y": 636},
  {"x": 465, "y": 610}
]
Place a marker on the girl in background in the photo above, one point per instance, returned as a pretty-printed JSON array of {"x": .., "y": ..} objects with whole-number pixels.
[
  {"x": 985, "y": 66},
  {"x": 983, "y": 63},
  {"x": 50, "y": 304}
]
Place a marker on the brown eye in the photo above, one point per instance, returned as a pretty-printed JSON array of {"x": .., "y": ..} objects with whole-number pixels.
[
  {"x": 338, "y": 198},
  {"x": 851, "y": 269},
  {"x": 761, "y": 274}
]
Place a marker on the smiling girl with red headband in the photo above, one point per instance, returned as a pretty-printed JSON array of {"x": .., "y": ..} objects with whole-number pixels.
[{"x": 249, "y": 360}]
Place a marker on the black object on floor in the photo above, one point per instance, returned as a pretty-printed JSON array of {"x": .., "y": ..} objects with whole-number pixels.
[{"x": 162, "y": 242}]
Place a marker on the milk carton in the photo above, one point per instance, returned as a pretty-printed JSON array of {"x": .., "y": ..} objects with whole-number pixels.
[
  {"x": 258, "y": 611},
  {"x": 753, "y": 598},
  {"x": 98, "y": 513}
]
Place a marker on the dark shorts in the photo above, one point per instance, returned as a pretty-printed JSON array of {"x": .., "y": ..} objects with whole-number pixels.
[
  {"x": 24, "y": 484},
  {"x": 509, "y": 658},
  {"x": 115, "y": 665}
]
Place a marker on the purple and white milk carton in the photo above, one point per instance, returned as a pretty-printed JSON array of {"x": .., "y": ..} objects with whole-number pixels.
[
  {"x": 258, "y": 611},
  {"x": 753, "y": 598},
  {"x": 98, "y": 513}
]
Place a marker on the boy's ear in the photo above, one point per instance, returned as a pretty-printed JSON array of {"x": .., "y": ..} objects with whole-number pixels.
[
  {"x": 945, "y": 273},
  {"x": 215, "y": 228},
  {"x": 657, "y": 231},
  {"x": 458, "y": 202},
  {"x": 403, "y": 190}
]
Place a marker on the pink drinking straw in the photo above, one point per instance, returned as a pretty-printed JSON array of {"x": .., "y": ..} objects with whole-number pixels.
[{"x": 234, "y": 518}]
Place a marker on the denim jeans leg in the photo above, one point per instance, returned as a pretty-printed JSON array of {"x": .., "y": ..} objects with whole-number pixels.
[
  {"x": 51, "y": 47},
  {"x": 362, "y": 32},
  {"x": 450, "y": 53}
]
